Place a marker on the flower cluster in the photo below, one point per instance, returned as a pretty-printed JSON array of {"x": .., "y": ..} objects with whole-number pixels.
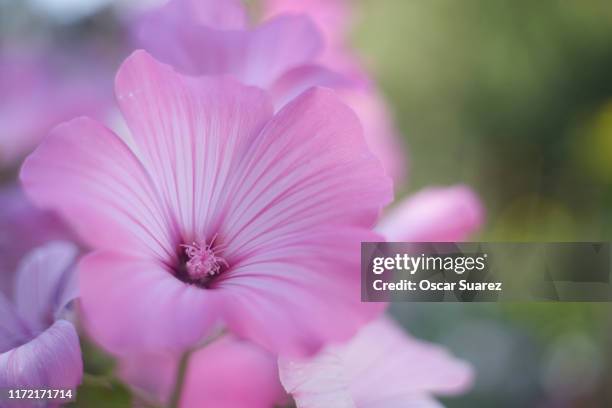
[{"x": 221, "y": 222}]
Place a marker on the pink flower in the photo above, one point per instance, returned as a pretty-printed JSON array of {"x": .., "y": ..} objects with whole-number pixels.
[
  {"x": 214, "y": 210},
  {"x": 434, "y": 214},
  {"x": 286, "y": 54},
  {"x": 228, "y": 373},
  {"x": 37, "y": 93},
  {"x": 381, "y": 366},
  {"x": 38, "y": 346},
  {"x": 332, "y": 17}
]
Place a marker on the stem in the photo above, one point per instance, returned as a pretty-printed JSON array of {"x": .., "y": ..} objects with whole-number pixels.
[{"x": 175, "y": 399}]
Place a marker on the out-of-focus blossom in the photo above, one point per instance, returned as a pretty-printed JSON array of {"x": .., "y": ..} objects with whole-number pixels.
[
  {"x": 286, "y": 52},
  {"x": 38, "y": 346},
  {"x": 256, "y": 56},
  {"x": 170, "y": 17},
  {"x": 40, "y": 89},
  {"x": 228, "y": 373},
  {"x": 435, "y": 214},
  {"x": 23, "y": 227},
  {"x": 215, "y": 208},
  {"x": 380, "y": 367},
  {"x": 332, "y": 17}
]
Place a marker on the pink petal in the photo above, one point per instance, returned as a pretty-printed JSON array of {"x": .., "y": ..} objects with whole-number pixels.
[
  {"x": 318, "y": 382},
  {"x": 190, "y": 135},
  {"x": 233, "y": 374},
  {"x": 357, "y": 92},
  {"x": 308, "y": 192},
  {"x": 297, "y": 80},
  {"x": 45, "y": 284},
  {"x": 51, "y": 360},
  {"x": 104, "y": 191},
  {"x": 256, "y": 57},
  {"x": 332, "y": 17},
  {"x": 226, "y": 14},
  {"x": 383, "y": 138},
  {"x": 384, "y": 357},
  {"x": 380, "y": 367},
  {"x": 228, "y": 373},
  {"x": 434, "y": 215},
  {"x": 132, "y": 304}
]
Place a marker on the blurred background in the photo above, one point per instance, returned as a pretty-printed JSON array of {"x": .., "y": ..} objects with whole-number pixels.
[{"x": 513, "y": 98}]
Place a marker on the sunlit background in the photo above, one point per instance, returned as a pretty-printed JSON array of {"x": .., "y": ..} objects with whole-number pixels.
[{"x": 511, "y": 97}]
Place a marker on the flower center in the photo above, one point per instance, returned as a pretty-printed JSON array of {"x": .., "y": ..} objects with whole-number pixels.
[{"x": 203, "y": 261}]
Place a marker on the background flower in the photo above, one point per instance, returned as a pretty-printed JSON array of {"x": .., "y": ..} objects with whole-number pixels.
[
  {"x": 227, "y": 373},
  {"x": 381, "y": 366},
  {"x": 22, "y": 228},
  {"x": 39, "y": 347},
  {"x": 41, "y": 88}
]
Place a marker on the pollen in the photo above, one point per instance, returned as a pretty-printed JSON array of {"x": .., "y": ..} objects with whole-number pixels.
[{"x": 203, "y": 261}]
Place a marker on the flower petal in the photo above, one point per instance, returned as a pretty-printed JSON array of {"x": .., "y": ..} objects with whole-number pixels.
[
  {"x": 256, "y": 57},
  {"x": 189, "y": 134},
  {"x": 333, "y": 17},
  {"x": 318, "y": 382},
  {"x": 23, "y": 227},
  {"x": 434, "y": 215},
  {"x": 381, "y": 134},
  {"x": 380, "y": 367},
  {"x": 13, "y": 329},
  {"x": 309, "y": 171},
  {"x": 51, "y": 360},
  {"x": 297, "y": 80},
  {"x": 385, "y": 358},
  {"x": 104, "y": 191},
  {"x": 227, "y": 373},
  {"x": 45, "y": 283},
  {"x": 226, "y": 14},
  {"x": 357, "y": 92},
  {"x": 305, "y": 197},
  {"x": 131, "y": 304}
]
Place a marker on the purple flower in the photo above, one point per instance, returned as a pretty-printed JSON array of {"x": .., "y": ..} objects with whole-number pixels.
[{"x": 39, "y": 346}]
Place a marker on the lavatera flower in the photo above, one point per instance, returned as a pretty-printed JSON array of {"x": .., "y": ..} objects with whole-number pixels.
[
  {"x": 39, "y": 346},
  {"x": 215, "y": 210}
]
